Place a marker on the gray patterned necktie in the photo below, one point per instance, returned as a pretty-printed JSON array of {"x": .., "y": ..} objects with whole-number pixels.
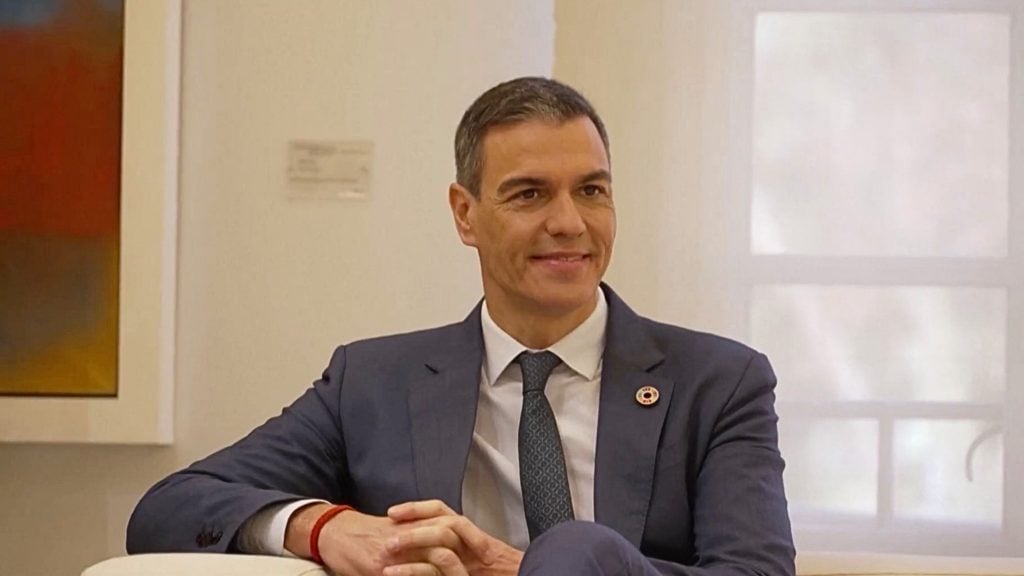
[{"x": 546, "y": 497}]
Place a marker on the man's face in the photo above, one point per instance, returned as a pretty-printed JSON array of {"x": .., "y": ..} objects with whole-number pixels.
[{"x": 544, "y": 221}]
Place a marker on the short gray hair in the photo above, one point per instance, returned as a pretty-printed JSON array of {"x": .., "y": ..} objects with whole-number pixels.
[{"x": 512, "y": 102}]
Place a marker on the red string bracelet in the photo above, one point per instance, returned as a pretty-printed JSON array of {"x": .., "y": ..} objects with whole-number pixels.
[{"x": 314, "y": 534}]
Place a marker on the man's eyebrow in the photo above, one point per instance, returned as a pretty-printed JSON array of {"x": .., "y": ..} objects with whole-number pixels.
[
  {"x": 532, "y": 182},
  {"x": 523, "y": 181},
  {"x": 601, "y": 174}
]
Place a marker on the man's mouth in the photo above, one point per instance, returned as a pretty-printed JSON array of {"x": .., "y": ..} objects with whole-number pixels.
[{"x": 562, "y": 257}]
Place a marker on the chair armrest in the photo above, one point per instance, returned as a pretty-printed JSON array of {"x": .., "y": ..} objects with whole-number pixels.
[{"x": 203, "y": 565}]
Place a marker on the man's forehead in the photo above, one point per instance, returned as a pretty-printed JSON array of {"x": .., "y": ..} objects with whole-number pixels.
[
  {"x": 544, "y": 152},
  {"x": 539, "y": 135}
]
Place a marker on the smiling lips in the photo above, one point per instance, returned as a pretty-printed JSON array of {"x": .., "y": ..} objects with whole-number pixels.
[
  {"x": 562, "y": 257},
  {"x": 561, "y": 263}
]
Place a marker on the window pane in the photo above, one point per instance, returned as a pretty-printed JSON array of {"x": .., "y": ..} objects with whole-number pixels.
[
  {"x": 821, "y": 486},
  {"x": 908, "y": 343},
  {"x": 881, "y": 134},
  {"x": 931, "y": 465}
]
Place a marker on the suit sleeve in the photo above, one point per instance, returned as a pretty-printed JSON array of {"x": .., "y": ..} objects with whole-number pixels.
[
  {"x": 299, "y": 454},
  {"x": 741, "y": 522}
]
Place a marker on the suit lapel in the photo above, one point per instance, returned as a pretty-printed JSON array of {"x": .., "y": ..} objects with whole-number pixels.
[
  {"x": 627, "y": 432},
  {"x": 442, "y": 411}
]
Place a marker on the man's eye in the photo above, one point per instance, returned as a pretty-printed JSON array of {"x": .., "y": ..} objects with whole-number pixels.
[
  {"x": 592, "y": 190},
  {"x": 528, "y": 194}
]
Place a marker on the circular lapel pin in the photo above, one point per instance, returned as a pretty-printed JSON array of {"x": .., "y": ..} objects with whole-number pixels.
[{"x": 647, "y": 396}]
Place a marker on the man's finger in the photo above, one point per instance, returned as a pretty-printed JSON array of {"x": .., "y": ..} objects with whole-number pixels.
[
  {"x": 425, "y": 537},
  {"x": 439, "y": 562},
  {"x": 480, "y": 543},
  {"x": 416, "y": 569},
  {"x": 448, "y": 561},
  {"x": 419, "y": 510},
  {"x": 475, "y": 539}
]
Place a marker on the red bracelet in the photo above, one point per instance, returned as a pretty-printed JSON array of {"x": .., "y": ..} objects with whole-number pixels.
[{"x": 314, "y": 534}]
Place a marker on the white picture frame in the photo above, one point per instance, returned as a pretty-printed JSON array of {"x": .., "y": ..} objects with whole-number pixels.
[{"x": 142, "y": 411}]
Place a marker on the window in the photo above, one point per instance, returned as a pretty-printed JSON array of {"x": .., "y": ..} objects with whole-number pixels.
[{"x": 882, "y": 268}]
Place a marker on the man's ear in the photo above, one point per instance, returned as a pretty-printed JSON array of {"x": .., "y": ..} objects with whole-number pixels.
[{"x": 463, "y": 205}]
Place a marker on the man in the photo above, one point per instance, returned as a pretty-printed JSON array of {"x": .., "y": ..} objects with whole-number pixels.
[{"x": 553, "y": 431}]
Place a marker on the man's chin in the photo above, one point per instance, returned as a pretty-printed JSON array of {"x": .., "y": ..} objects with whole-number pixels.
[{"x": 567, "y": 302}]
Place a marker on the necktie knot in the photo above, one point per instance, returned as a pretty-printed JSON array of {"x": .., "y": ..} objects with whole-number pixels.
[{"x": 537, "y": 366}]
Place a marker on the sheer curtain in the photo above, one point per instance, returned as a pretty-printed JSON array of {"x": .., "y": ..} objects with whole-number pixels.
[
  {"x": 839, "y": 183},
  {"x": 876, "y": 178}
]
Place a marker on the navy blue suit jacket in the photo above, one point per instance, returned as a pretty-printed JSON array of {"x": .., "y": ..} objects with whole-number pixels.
[{"x": 694, "y": 481}]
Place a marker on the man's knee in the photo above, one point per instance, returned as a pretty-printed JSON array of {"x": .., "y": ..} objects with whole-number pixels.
[
  {"x": 578, "y": 533},
  {"x": 578, "y": 547}
]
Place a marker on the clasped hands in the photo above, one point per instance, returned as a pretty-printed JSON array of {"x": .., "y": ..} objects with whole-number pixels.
[{"x": 423, "y": 538}]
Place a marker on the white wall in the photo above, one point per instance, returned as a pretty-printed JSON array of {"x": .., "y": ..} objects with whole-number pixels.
[
  {"x": 268, "y": 286},
  {"x": 647, "y": 69}
]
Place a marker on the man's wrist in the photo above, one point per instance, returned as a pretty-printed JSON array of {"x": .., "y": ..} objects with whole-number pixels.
[
  {"x": 314, "y": 535},
  {"x": 300, "y": 525}
]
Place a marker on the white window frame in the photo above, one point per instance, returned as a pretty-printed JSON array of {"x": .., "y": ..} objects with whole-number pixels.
[{"x": 749, "y": 270}]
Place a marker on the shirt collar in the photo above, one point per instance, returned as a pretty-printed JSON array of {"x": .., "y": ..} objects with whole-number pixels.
[{"x": 580, "y": 349}]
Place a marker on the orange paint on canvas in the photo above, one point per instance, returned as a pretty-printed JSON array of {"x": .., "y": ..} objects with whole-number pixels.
[{"x": 60, "y": 139}]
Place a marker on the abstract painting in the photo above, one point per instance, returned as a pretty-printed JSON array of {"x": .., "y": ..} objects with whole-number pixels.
[{"x": 60, "y": 174}]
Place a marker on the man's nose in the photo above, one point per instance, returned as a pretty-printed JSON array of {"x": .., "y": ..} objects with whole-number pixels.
[{"x": 564, "y": 218}]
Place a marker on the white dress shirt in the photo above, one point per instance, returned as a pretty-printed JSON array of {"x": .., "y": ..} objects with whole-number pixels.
[{"x": 491, "y": 496}]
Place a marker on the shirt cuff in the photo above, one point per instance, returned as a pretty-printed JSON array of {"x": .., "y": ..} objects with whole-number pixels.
[{"x": 263, "y": 533}]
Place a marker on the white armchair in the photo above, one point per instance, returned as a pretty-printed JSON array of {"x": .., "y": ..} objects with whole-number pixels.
[
  {"x": 204, "y": 565},
  {"x": 808, "y": 564}
]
